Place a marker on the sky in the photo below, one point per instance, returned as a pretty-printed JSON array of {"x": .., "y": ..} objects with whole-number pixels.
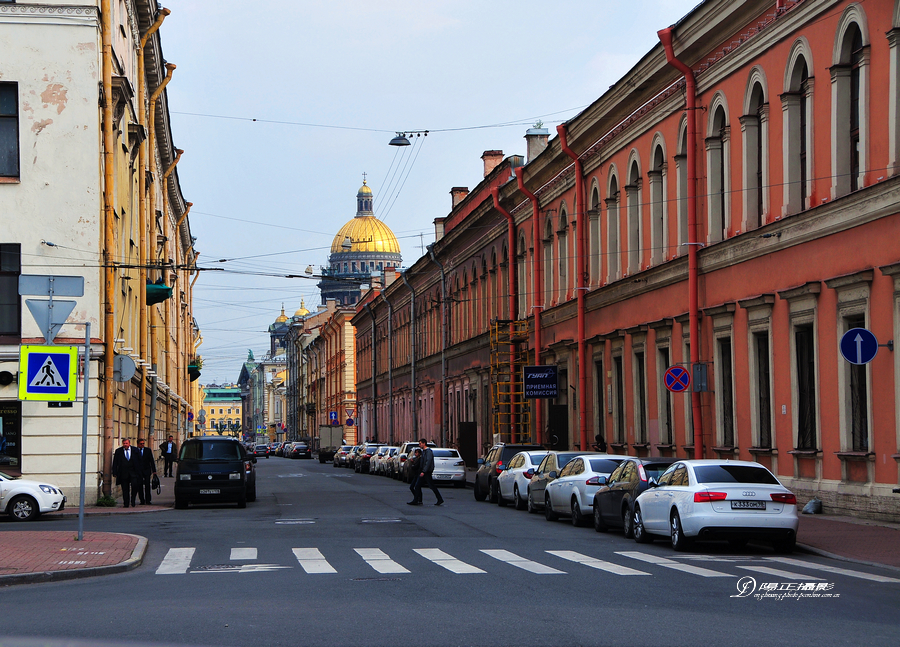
[{"x": 282, "y": 105}]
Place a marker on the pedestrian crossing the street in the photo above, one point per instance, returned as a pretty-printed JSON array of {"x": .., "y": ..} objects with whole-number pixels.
[{"x": 311, "y": 561}]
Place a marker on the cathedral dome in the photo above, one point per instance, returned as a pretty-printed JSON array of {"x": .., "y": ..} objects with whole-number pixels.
[
  {"x": 301, "y": 311},
  {"x": 366, "y": 234},
  {"x": 282, "y": 317}
]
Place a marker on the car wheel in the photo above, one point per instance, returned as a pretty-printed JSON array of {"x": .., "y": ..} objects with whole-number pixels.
[
  {"x": 23, "y": 508},
  {"x": 577, "y": 517},
  {"x": 242, "y": 502},
  {"x": 520, "y": 504},
  {"x": 786, "y": 546},
  {"x": 479, "y": 495},
  {"x": 679, "y": 541},
  {"x": 180, "y": 503},
  {"x": 251, "y": 496},
  {"x": 599, "y": 524},
  {"x": 549, "y": 515},
  {"x": 495, "y": 492},
  {"x": 627, "y": 523},
  {"x": 530, "y": 505},
  {"x": 641, "y": 535}
]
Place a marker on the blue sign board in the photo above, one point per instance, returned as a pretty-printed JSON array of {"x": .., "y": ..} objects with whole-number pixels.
[
  {"x": 677, "y": 379},
  {"x": 47, "y": 372},
  {"x": 540, "y": 382},
  {"x": 332, "y": 415},
  {"x": 859, "y": 346}
]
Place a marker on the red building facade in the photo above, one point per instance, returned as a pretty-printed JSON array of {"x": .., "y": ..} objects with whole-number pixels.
[{"x": 732, "y": 202}]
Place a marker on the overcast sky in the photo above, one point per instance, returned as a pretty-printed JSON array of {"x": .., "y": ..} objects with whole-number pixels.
[{"x": 329, "y": 83}]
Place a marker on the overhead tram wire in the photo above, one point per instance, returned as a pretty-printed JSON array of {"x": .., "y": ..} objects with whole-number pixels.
[
  {"x": 388, "y": 190},
  {"x": 414, "y": 158}
]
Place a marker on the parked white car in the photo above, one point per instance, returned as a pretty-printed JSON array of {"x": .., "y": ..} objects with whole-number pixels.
[
  {"x": 449, "y": 467},
  {"x": 717, "y": 499},
  {"x": 400, "y": 458},
  {"x": 25, "y": 500},
  {"x": 572, "y": 493},
  {"x": 381, "y": 459},
  {"x": 513, "y": 481}
]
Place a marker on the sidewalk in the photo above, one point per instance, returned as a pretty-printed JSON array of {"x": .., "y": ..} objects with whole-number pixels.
[{"x": 857, "y": 540}]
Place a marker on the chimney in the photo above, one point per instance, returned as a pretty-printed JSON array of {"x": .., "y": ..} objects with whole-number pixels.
[
  {"x": 390, "y": 275},
  {"x": 459, "y": 193},
  {"x": 438, "y": 228},
  {"x": 491, "y": 159},
  {"x": 536, "y": 142}
]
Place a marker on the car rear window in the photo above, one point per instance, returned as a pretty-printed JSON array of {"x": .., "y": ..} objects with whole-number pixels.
[
  {"x": 734, "y": 474},
  {"x": 604, "y": 465},
  {"x": 210, "y": 451},
  {"x": 445, "y": 453}
]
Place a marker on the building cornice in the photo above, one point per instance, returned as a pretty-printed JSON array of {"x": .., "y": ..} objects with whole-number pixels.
[{"x": 46, "y": 14}]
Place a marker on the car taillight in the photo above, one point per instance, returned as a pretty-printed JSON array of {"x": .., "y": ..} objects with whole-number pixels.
[
  {"x": 594, "y": 480},
  {"x": 707, "y": 497},
  {"x": 784, "y": 497},
  {"x": 247, "y": 466},
  {"x": 403, "y": 459},
  {"x": 528, "y": 474},
  {"x": 642, "y": 473},
  {"x": 499, "y": 467}
]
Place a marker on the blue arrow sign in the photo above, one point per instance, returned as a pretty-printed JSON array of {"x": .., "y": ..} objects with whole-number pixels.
[
  {"x": 677, "y": 379},
  {"x": 859, "y": 346}
]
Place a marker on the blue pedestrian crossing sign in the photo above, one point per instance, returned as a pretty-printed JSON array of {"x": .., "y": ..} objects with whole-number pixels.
[
  {"x": 859, "y": 346},
  {"x": 47, "y": 373}
]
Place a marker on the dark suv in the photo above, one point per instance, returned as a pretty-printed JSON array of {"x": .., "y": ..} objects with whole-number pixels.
[
  {"x": 214, "y": 469},
  {"x": 492, "y": 466}
]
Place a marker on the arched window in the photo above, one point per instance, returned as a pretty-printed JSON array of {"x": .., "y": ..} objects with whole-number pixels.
[
  {"x": 503, "y": 280},
  {"x": 548, "y": 261},
  {"x": 524, "y": 287},
  {"x": 495, "y": 303},
  {"x": 797, "y": 108},
  {"x": 755, "y": 134},
  {"x": 612, "y": 229},
  {"x": 717, "y": 176},
  {"x": 594, "y": 251},
  {"x": 562, "y": 254},
  {"x": 681, "y": 188},
  {"x": 657, "y": 176},
  {"x": 633, "y": 195},
  {"x": 485, "y": 296},
  {"x": 849, "y": 96}
]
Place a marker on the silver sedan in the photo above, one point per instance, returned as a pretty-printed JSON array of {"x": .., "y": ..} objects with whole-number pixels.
[
  {"x": 572, "y": 493},
  {"x": 514, "y": 479}
]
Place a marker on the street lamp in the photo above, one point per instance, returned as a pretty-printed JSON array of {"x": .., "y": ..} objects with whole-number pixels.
[{"x": 402, "y": 139}]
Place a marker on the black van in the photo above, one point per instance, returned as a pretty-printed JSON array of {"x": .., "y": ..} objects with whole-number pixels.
[{"x": 214, "y": 469}]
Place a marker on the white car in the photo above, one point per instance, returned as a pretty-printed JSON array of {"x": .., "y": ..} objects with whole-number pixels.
[
  {"x": 25, "y": 500},
  {"x": 571, "y": 494},
  {"x": 399, "y": 459},
  {"x": 717, "y": 499},
  {"x": 449, "y": 467},
  {"x": 380, "y": 459},
  {"x": 514, "y": 479}
]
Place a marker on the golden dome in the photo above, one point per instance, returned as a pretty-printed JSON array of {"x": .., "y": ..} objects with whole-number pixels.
[
  {"x": 282, "y": 317},
  {"x": 366, "y": 234},
  {"x": 363, "y": 190},
  {"x": 301, "y": 311}
]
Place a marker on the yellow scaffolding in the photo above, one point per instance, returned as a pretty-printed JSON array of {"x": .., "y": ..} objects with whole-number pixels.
[{"x": 509, "y": 355}]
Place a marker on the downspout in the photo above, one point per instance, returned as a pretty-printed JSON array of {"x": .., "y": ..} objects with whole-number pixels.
[
  {"x": 186, "y": 212},
  {"x": 665, "y": 37},
  {"x": 511, "y": 244},
  {"x": 390, "y": 366},
  {"x": 170, "y": 309},
  {"x": 445, "y": 431},
  {"x": 109, "y": 241},
  {"x": 368, "y": 308},
  {"x": 537, "y": 275},
  {"x": 412, "y": 326}
]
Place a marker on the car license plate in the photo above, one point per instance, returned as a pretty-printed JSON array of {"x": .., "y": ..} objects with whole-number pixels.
[
  {"x": 210, "y": 491},
  {"x": 748, "y": 505},
  {"x": 442, "y": 476}
]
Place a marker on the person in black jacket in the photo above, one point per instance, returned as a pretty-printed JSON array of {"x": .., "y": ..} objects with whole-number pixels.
[
  {"x": 147, "y": 470},
  {"x": 415, "y": 463},
  {"x": 169, "y": 451},
  {"x": 126, "y": 468},
  {"x": 425, "y": 474}
]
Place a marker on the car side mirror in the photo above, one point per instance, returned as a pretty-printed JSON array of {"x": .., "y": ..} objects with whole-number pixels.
[
  {"x": 553, "y": 475},
  {"x": 481, "y": 461}
]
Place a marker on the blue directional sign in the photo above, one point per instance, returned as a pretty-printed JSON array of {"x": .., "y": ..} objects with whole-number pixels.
[
  {"x": 677, "y": 379},
  {"x": 47, "y": 373},
  {"x": 859, "y": 346},
  {"x": 332, "y": 415}
]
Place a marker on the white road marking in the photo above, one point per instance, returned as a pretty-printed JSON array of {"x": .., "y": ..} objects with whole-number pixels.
[
  {"x": 176, "y": 562},
  {"x": 833, "y": 569},
  {"x": 312, "y": 561},
  {"x": 449, "y": 562},
  {"x": 599, "y": 564},
  {"x": 241, "y": 554},
  {"x": 520, "y": 562},
  {"x": 675, "y": 566},
  {"x": 378, "y": 560},
  {"x": 777, "y": 572}
]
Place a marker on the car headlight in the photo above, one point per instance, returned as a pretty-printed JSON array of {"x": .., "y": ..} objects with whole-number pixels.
[
  {"x": 49, "y": 489},
  {"x": 184, "y": 477},
  {"x": 234, "y": 476}
]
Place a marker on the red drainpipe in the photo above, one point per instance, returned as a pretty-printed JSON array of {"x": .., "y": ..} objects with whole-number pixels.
[
  {"x": 580, "y": 288},
  {"x": 537, "y": 274},
  {"x": 510, "y": 266},
  {"x": 665, "y": 37}
]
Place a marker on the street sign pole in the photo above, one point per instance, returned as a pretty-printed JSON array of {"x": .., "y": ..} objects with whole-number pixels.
[{"x": 84, "y": 426}]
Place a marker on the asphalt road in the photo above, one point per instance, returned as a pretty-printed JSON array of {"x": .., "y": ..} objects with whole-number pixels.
[{"x": 329, "y": 557}]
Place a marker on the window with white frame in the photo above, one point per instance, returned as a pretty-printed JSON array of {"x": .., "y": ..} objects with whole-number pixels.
[
  {"x": 802, "y": 302},
  {"x": 717, "y": 180},
  {"x": 681, "y": 190},
  {"x": 562, "y": 255},
  {"x": 639, "y": 378},
  {"x": 759, "y": 315},
  {"x": 619, "y": 435},
  {"x": 797, "y": 115},
  {"x": 755, "y": 134},
  {"x": 9, "y": 130},
  {"x": 659, "y": 249},
  {"x": 612, "y": 229},
  {"x": 849, "y": 95},
  {"x": 663, "y": 395},
  {"x": 595, "y": 252},
  {"x": 634, "y": 204},
  {"x": 548, "y": 261}
]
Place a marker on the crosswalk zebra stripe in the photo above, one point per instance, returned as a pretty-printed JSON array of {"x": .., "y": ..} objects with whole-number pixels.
[
  {"x": 242, "y": 554},
  {"x": 675, "y": 566},
  {"x": 777, "y": 572},
  {"x": 833, "y": 569},
  {"x": 378, "y": 560},
  {"x": 176, "y": 562},
  {"x": 599, "y": 564},
  {"x": 449, "y": 562},
  {"x": 520, "y": 562},
  {"x": 312, "y": 561}
]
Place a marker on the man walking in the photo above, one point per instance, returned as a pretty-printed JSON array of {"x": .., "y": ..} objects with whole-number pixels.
[
  {"x": 126, "y": 469},
  {"x": 168, "y": 450},
  {"x": 425, "y": 474},
  {"x": 147, "y": 470}
]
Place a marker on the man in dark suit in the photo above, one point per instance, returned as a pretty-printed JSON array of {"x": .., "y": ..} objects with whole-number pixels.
[
  {"x": 425, "y": 470},
  {"x": 169, "y": 451},
  {"x": 147, "y": 470},
  {"x": 126, "y": 470}
]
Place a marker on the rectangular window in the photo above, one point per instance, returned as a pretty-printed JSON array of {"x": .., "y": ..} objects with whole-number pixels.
[
  {"x": 726, "y": 388},
  {"x": 9, "y": 130},
  {"x": 600, "y": 381},
  {"x": 10, "y": 303},
  {"x": 859, "y": 411},
  {"x": 640, "y": 374},
  {"x": 806, "y": 386},
  {"x": 763, "y": 389},
  {"x": 665, "y": 417},
  {"x": 620, "y": 400}
]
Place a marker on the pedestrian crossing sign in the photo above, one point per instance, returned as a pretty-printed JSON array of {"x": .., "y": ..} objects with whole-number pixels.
[{"x": 47, "y": 373}]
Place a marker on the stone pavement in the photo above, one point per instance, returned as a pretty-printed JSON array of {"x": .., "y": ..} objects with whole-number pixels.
[{"x": 852, "y": 539}]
